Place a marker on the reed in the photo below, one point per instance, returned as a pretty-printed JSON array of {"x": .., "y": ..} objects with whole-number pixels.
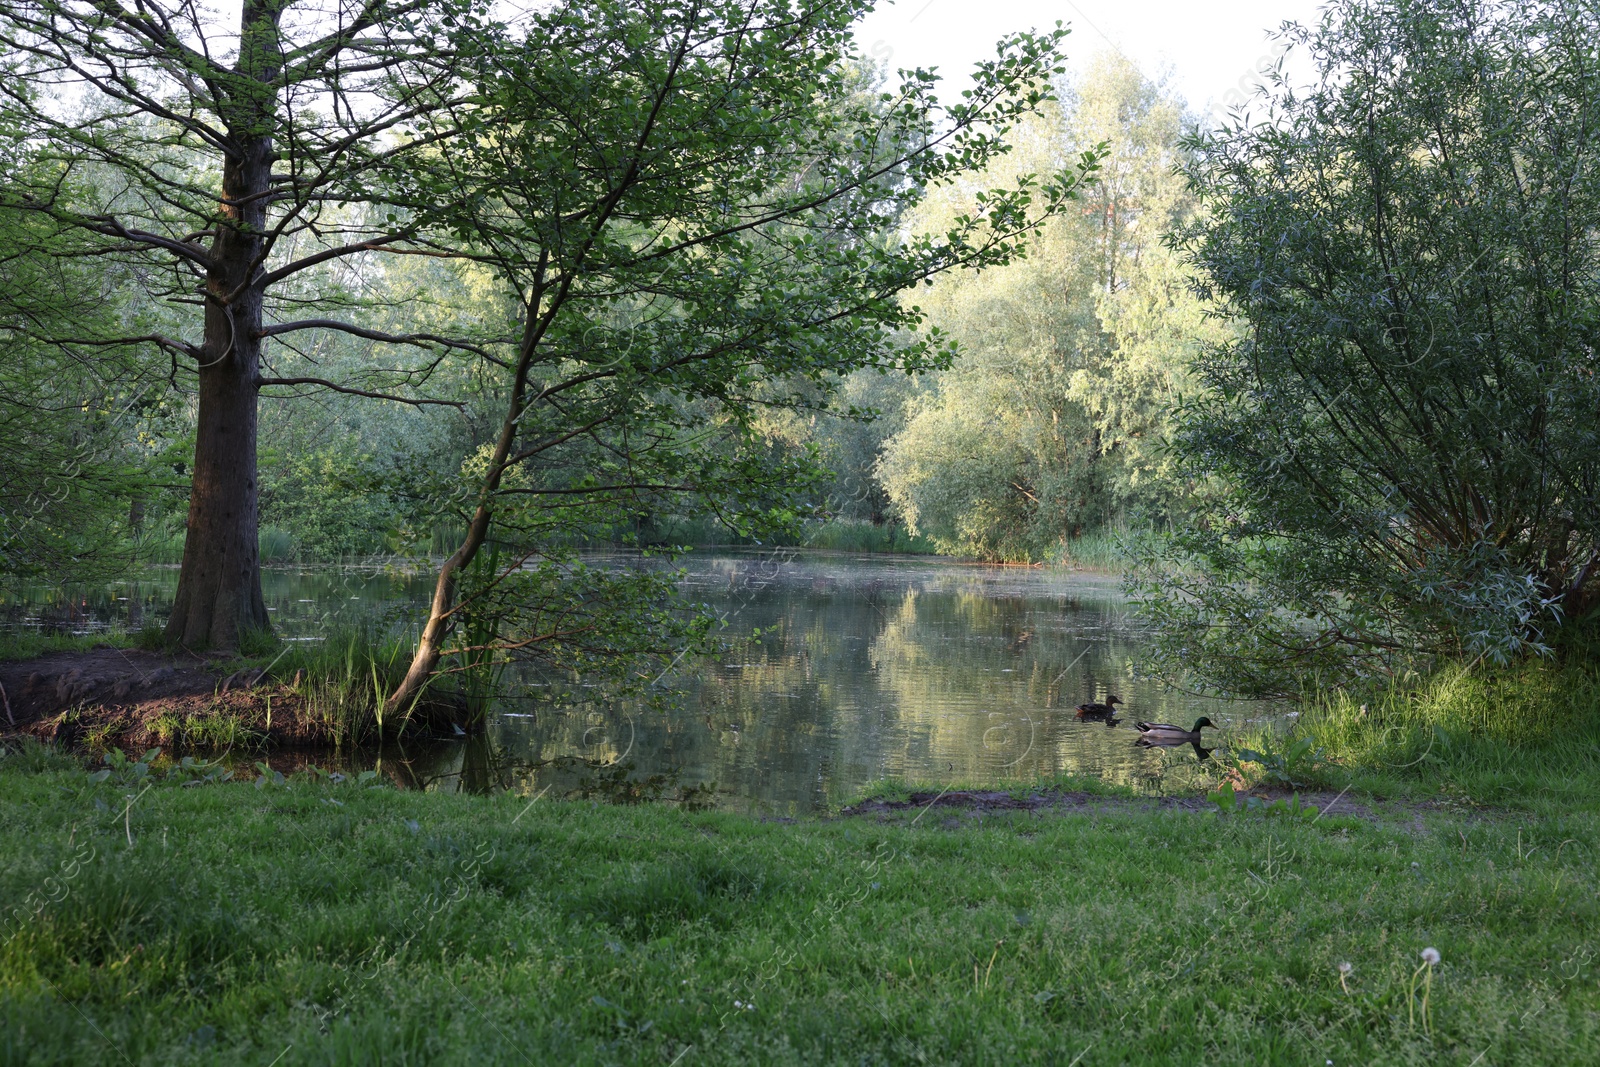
[
  {"x": 1102, "y": 550},
  {"x": 843, "y": 536},
  {"x": 276, "y": 545},
  {"x": 344, "y": 680}
]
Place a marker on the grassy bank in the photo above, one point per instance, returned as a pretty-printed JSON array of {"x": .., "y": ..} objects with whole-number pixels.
[
  {"x": 29, "y": 644},
  {"x": 305, "y": 923},
  {"x": 1525, "y": 737}
]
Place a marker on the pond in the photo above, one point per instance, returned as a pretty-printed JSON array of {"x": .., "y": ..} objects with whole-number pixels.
[{"x": 866, "y": 668}]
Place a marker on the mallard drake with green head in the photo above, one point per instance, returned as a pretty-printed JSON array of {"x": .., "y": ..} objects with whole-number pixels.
[
  {"x": 1162, "y": 731},
  {"x": 1099, "y": 711}
]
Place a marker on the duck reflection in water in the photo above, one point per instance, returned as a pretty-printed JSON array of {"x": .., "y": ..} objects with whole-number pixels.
[{"x": 1173, "y": 742}]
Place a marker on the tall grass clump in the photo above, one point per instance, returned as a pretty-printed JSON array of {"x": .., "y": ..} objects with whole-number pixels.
[
  {"x": 276, "y": 545},
  {"x": 1097, "y": 551},
  {"x": 444, "y": 538},
  {"x": 344, "y": 680},
  {"x": 1525, "y": 733}
]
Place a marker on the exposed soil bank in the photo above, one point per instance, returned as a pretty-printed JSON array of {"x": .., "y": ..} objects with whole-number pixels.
[
  {"x": 129, "y": 698},
  {"x": 107, "y": 696}
]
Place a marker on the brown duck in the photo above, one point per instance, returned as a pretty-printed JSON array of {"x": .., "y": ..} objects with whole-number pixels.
[{"x": 1099, "y": 711}]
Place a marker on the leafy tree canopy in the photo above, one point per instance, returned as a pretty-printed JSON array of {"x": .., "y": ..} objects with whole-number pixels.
[
  {"x": 1403, "y": 434},
  {"x": 76, "y": 468},
  {"x": 687, "y": 216},
  {"x": 1051, "y": 424}
]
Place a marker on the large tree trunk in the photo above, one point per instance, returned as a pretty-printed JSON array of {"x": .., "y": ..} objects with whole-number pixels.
[{"x": 219, "y": 588}]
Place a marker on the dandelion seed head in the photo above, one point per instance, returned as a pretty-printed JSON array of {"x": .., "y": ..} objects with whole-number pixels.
[
  {"x": 1430, "y": 956},
  {"x": 1344, "y": 968}
]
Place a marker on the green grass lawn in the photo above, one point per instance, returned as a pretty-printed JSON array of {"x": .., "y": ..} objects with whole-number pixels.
[{"x": 309, "y": 923}]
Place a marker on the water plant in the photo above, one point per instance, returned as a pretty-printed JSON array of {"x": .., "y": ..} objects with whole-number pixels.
[
  {"x": 343, "y": 681},
  {"x": 267, "y": 776},
  {"x": 1230, "y": 802},
  {"x": 620, "y": 783},
  {"x": 149, "y": 769},
  {"x": 124, "y": 770},
  {"x": 1294, "y": 762}
]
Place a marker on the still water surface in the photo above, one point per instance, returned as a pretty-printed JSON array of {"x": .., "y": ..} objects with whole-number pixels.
[{"x": 866, "y": 668}]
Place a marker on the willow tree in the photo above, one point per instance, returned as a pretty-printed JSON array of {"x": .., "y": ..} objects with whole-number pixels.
[
  {"x": 1406, "y": 427},
  {"x": 691, "y": 212},
  {"x": 228, "y": 162},
  {"x": 1050, "y": 425}
]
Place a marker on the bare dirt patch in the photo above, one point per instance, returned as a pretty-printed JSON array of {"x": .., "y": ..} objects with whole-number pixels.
[
  {"x": 983, "y": 801},
  {"x": 959, "y": 802}
]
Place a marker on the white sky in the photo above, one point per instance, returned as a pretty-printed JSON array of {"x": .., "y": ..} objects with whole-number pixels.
[{"x": 1210, "y": 48}]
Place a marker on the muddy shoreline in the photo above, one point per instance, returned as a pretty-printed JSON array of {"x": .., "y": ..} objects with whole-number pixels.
[
  {"x": 955, "y": 806},
  {"x": 129, "y": 698}
]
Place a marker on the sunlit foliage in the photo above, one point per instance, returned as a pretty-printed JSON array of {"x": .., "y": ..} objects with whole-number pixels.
[{"x": 1050, "y": 425}]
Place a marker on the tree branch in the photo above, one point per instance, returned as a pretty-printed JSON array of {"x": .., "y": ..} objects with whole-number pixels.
[
  {"x": 323, "y": 383},
  {"x": 421, "y": 339}
]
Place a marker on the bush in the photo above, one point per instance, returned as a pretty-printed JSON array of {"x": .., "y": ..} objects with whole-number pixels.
[
  {"x": 1402, "y": 430},
  {"x": 326, "y": 504}
]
